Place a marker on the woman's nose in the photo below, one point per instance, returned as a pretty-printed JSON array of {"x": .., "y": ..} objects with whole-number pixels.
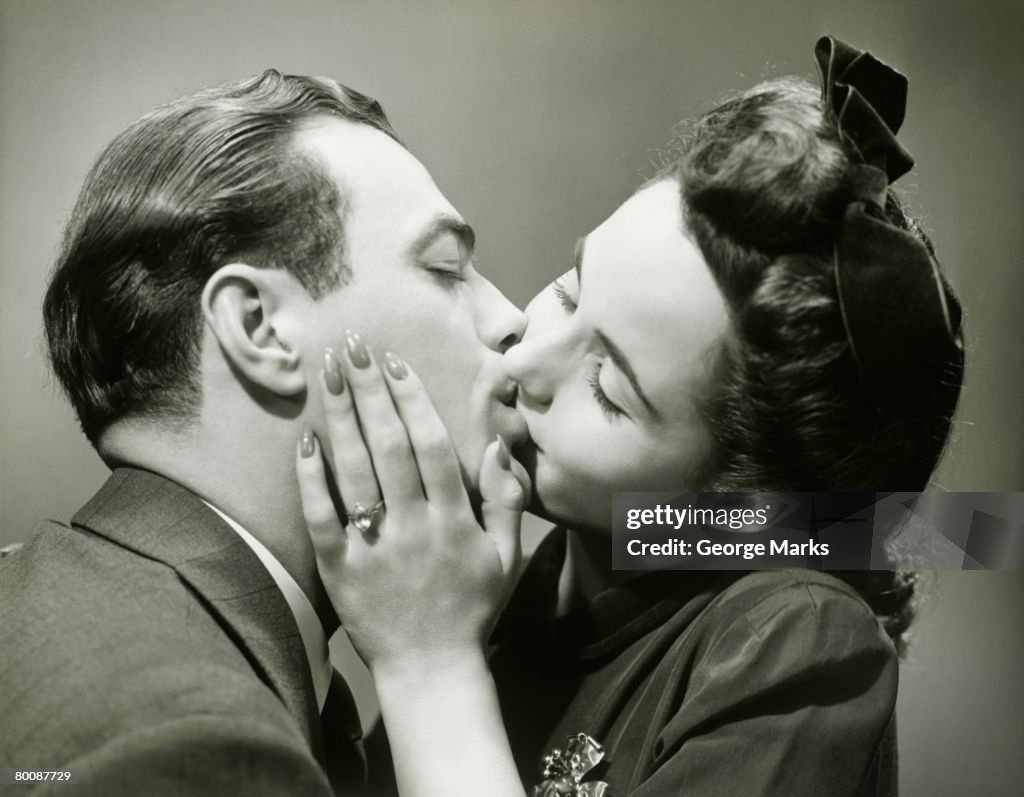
[{"x": 527, "y": 365}]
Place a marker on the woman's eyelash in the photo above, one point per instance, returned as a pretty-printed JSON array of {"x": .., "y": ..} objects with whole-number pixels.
[
  {"x": 558, "y": 286},
  {"x": 610, "y": 411},
  {"x": 593, "y": 379}
]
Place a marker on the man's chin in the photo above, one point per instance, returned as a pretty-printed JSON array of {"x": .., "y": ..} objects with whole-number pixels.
[
  {"x": 470, "y": 466},
  {"x": 524, "y": 465}
]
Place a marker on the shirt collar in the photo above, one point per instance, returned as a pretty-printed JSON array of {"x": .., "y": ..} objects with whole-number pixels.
[{"x": 314, "y": 640}]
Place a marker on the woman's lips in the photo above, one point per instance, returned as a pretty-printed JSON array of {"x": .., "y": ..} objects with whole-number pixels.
[{"x": 530, "y": 441}]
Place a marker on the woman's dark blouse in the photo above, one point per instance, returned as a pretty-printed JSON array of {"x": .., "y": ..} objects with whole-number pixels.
[{"x": 703, "y": 683}]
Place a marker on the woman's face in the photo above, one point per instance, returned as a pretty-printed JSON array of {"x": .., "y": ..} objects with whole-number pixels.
[{"x": 614, "y": 357}]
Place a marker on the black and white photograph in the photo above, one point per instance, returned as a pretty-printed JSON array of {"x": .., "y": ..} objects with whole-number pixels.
[{"x": 369, "y": 367}]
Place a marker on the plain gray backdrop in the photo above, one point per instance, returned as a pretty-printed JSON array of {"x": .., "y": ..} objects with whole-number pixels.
[{"x": 537, "y": 119}]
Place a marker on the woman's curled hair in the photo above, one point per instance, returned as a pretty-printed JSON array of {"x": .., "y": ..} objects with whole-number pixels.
[{"x": 765, "y": 179}]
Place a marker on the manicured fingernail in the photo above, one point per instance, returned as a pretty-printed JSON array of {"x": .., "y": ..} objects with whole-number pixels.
[
  {"x": 307, "y": 443},
  {"x": 504, "y": 456},
  {"x": 332, "y": 373},
  {"x": 357, "y": 351},
  {"x": 396, "y": 366}
]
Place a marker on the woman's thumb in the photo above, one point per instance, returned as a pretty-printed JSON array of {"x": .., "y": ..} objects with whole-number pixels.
[{"x": 503, "y": 496}]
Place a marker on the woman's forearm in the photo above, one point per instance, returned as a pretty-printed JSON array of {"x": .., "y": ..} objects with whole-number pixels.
[{"x": 445, "y": 729}]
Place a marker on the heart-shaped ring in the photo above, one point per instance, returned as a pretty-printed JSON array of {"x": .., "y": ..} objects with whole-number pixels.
[{"x": 362, "y": 518}]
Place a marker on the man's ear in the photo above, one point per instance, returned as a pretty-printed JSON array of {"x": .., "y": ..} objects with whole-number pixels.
[{"x": 245, "y": 309}]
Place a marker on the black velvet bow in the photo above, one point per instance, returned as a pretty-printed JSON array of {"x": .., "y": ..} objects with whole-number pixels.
[
  {"x": 894, "y": 302},
  {"x": 869, "y": 100}
]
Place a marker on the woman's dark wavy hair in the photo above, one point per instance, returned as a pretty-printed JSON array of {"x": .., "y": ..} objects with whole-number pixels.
[
  {"x": 198, "y": 183},
  {"x": 764, "y": 181}
]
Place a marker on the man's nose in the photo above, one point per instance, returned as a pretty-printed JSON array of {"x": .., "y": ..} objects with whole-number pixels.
[{"x": 499, "y": 323}]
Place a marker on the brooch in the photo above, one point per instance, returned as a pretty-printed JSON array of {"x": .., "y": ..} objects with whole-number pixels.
[{"x": 564, "y": 769}]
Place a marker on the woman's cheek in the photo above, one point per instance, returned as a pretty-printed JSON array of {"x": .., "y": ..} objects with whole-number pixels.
[
  {"x": 572, "y": 470},
  {"x": 606, "y": 461}
]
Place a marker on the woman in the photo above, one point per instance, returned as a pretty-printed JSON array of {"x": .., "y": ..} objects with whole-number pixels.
[{"x": 762, "y": 315}]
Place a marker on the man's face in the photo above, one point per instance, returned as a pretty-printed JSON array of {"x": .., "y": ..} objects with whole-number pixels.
[{"x": 413, "y": 290}]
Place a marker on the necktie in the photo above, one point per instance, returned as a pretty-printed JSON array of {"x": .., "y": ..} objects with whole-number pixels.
[{"x": 344, "y": 758}]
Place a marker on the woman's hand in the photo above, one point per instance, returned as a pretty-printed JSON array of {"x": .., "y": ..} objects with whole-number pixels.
[
  {"x": 418, "y": 583},
  {"x": 421, "y": 587}
]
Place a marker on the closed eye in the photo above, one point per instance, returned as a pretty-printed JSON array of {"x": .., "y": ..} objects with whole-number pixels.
[
  {"x": 564, "y": 299},
  {"x": 447, "y": 272},
  {"x": 610, "y": 410}
]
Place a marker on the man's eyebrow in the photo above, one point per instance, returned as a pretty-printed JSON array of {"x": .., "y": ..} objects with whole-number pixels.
[
  {"x": 623, "y": 364},
  {"x": 443, "y": 224},
  {"x": 581, "y": 243}
]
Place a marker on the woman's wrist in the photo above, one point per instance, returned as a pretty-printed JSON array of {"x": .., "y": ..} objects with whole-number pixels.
[
  {"x": 444, "y": 724},
  {"x": 419, "y": 671}
]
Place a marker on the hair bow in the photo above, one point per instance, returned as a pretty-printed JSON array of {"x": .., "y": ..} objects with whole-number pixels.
[{"x": 894, "y": 302}]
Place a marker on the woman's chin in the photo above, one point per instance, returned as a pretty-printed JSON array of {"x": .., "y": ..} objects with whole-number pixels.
[{"x": 562, "y": 500}]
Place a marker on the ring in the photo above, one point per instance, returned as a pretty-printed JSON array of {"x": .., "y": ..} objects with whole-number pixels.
[{"x": 362, "y": 518}]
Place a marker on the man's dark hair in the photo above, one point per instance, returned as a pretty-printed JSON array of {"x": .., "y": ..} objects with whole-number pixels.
[{"x": 203, "y": 181}]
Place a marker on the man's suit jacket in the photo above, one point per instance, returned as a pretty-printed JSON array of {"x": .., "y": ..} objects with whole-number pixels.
[{"x": 146, "y": 649}]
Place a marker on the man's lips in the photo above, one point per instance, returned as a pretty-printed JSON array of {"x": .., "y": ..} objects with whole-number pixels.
[
  {"x": 512, "y": 426},
  {"x": 506, "y": 392}
]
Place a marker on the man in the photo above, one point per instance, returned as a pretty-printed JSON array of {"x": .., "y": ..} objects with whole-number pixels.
[{"x": 173, "y": 638}]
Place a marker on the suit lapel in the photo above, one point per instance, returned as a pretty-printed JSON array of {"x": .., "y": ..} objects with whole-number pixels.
[
  {"x": 345, "y": 758},
  {"x": 161, "y": 520}
]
